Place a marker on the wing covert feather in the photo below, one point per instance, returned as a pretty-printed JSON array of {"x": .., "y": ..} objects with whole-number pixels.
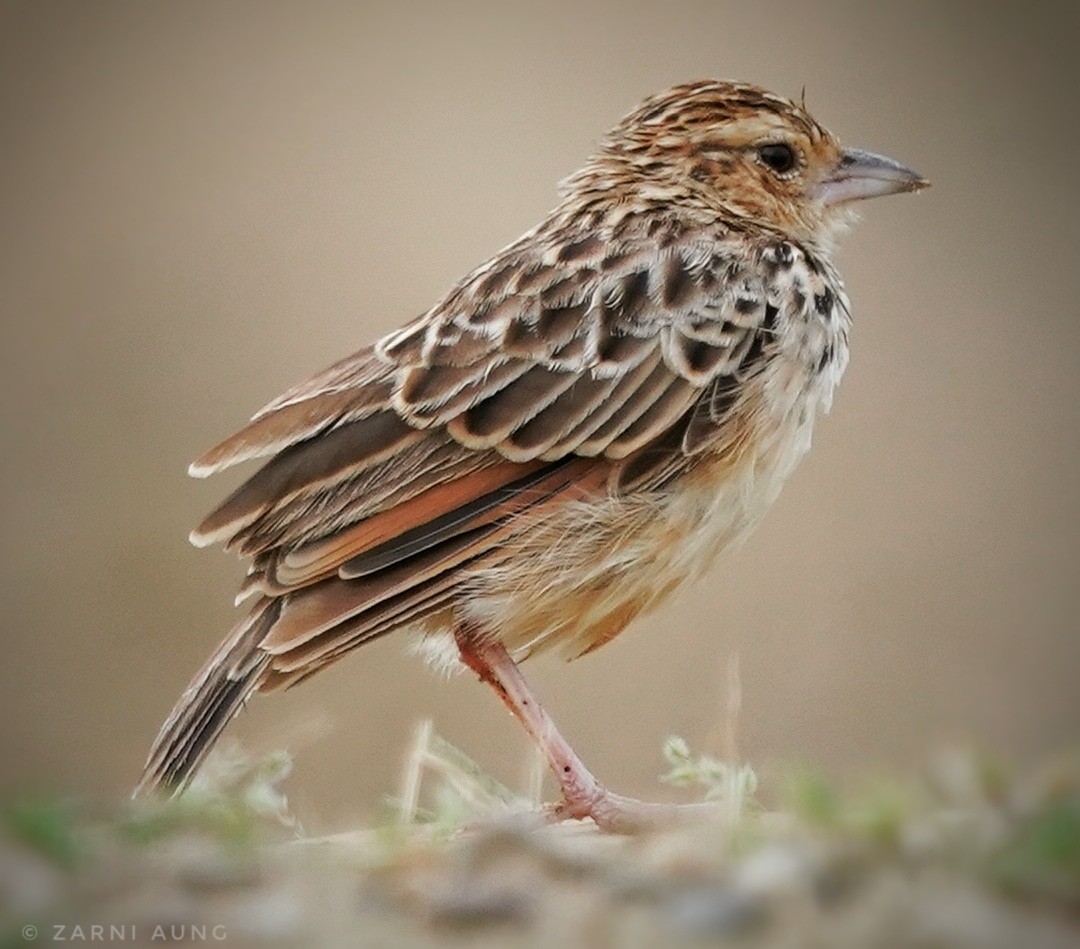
[{"x": 593, "y": 352}]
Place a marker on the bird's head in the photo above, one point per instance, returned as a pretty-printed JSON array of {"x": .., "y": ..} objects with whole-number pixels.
[{"x": 732, "y": 149}]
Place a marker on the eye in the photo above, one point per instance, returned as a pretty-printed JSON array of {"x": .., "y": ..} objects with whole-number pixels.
[{"x": 780, "y": 158}]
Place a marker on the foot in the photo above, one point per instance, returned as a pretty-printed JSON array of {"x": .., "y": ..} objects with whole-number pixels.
[{"x": 626, "y": 815}]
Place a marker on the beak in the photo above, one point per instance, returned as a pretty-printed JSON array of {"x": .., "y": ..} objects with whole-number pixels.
[{"x": 861, "y": 175}]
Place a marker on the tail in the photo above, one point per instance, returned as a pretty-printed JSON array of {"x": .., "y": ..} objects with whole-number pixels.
[{"x": 214, "y": 697}]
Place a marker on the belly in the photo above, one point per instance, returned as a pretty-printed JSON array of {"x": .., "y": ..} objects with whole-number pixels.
[{"x": 577, "y": 577}]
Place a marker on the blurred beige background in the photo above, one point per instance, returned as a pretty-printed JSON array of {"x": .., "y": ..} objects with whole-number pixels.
[{"x": 201, "y": 203}]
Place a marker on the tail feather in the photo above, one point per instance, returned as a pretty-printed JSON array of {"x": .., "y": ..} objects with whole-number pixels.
[{"x": 211, "y": 700}]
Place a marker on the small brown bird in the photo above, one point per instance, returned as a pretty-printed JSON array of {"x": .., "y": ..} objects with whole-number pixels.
[{"x": 578, "y": 428}]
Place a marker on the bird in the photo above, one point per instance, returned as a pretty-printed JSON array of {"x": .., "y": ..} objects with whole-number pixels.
[{"x": 573, "y": 432}]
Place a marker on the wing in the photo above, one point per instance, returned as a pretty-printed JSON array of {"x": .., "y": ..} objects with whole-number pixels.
[
  {"x": 569, "y": 366},
  {"x": 591, "y": 347}
]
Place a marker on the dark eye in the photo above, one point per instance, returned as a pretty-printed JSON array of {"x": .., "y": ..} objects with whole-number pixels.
[{"x": 780, "y": 158}]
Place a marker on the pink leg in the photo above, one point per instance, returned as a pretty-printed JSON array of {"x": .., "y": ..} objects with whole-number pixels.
[{"x": 583, "y": 795}]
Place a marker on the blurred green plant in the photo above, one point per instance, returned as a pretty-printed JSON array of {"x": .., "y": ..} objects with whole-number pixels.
[
  {"x": 48, "y": 825},
  {"x": 1042, "y": 856},
  {"x": 444, "y": 789},
  {"x": 233, "y": 799},
  {"x": 731, "y": 785}
]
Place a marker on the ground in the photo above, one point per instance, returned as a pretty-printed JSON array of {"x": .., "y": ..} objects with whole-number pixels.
[{"x": 964, "y": 854}]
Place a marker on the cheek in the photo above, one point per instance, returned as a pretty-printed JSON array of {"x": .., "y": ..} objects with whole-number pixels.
[
  {"x": 713, "y": 170},
  {"x": 779, "y": 201}
]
